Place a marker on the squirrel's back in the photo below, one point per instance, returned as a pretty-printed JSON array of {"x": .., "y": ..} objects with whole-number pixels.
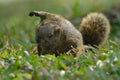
[
  {"x": 95, "y": 29},
  {"x": 55, "y": 35}
]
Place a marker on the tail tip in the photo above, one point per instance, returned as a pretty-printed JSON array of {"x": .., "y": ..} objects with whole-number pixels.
[{"x": 32, "y": 13}]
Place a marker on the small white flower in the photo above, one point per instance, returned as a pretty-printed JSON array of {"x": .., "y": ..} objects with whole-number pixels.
[
  {"x": 111, "y": 46},
  {"x": 111, "y": 51},
  {"x": 50, "y": 58},
  {"x": 62, "y": 72},
  {"x": 115, "y": 59},
  {"x": 12, "y": 58},
  {"x": 2, "y": 63},
  {"x": 13, "y": 61},
  {"x": 99, "y": 63},
  {"x": 42, "y": 56},
  {"x": 91, "y": 68},
  {"x": 26, "y": 52},
  {"x": 104, "y": 54},
  {"x": 107, "y": 73},
  {"x": 107, "y": 60},
  {"x": 112, "y": 65},
  {"x": 12, "y": 75},
  {"x": 28, "y": 65},
  {"x": 20, "y": 57}
]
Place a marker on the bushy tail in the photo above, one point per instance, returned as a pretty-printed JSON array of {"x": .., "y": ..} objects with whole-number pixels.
[{"x": 95, "y": 29}]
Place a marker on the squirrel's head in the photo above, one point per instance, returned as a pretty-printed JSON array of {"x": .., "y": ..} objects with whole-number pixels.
[{"x": 49, "y": 35}]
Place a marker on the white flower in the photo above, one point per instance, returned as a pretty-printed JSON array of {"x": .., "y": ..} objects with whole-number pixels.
[
  {"x": 26, "y": 52},
  {"x": 91, "y": 68},
  {"x": 62, "y": 72},
  {"x": 12, "y": 58},
  {"x": 20, "y": 57},
  {"x": 50, "y": 58},
  {"x": 115, "y": 59},
  {"x": 12, "y": 75},
  {"x": 2, "y": 63},
  {"x": 111, "y": 51},
  {"x": 104, "y": 54},
  {"x": 99, "y": 63},
  {"x": 42, "y": 55},
  {"x": 107, "y": 60}
]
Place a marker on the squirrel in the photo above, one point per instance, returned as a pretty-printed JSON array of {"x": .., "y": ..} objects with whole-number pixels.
[
  {"x": 56, "y": 35},
  {"x": 95, "y": 28}
]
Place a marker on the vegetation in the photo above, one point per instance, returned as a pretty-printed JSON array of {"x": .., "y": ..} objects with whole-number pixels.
[{"x": 18, "y": 58}]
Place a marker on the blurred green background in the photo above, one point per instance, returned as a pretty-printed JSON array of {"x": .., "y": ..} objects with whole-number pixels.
[
  {"x": 17, "y": 40},
  {"x": 16, "y": 27}
]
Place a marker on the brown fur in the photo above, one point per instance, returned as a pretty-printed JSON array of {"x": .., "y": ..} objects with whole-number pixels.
[
  {"x": 95, "y": 29},
  {"x": 56, "y": 35}
]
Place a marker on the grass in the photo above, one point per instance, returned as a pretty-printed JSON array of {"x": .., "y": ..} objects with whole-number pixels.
[
  {"x": 18, "y": 64},
  {"x": 18, "y": 59}
]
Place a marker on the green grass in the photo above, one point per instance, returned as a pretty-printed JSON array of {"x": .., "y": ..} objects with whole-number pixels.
[
  {"x": 18, "y": 58},
  {"x": 16, "y": 64}
]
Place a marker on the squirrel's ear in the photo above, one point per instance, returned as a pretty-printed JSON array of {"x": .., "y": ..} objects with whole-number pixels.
[{"x": 57, "y": 30}]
